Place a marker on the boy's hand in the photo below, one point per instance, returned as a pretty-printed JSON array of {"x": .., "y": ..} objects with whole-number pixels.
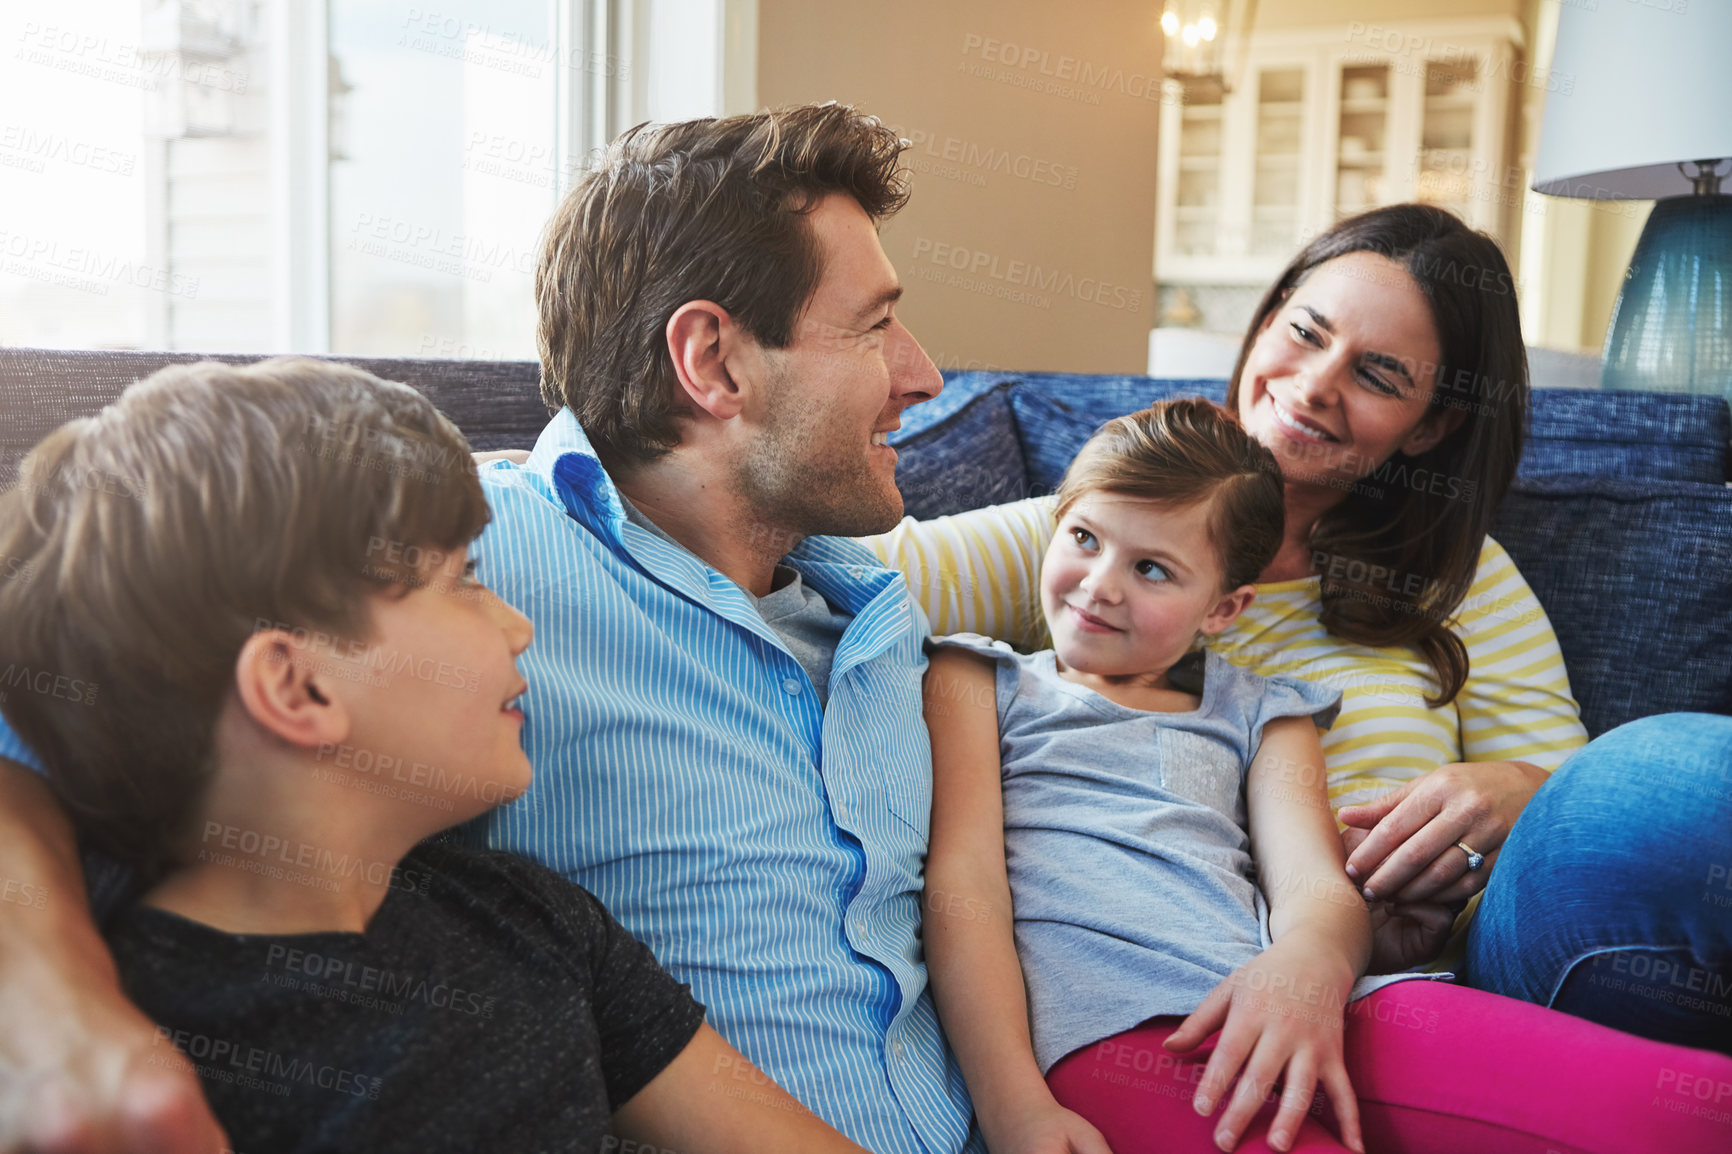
[
  {"x": 1048, "y": 1128},
  {"x": 1408, "y": 934},
  {"x": 1279, "y": 1014},
  {"x": 77, "y": 1076}
]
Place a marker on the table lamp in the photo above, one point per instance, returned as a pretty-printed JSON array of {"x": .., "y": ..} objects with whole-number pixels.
[{"x": 1643, "y": 111}]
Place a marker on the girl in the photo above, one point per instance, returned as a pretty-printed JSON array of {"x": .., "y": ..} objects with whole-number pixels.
[{"x": 1095, "y": 808}]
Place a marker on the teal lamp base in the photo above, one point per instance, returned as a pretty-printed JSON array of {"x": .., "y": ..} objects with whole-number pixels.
[{"x": 1671, "y": 329}]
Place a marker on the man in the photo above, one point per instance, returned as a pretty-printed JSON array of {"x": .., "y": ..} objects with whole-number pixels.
[{"x": 724, "y": 704}]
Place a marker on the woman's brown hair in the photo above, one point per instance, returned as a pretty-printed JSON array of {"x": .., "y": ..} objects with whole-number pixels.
[
  {"x": 148, "y": 542},
  {"x": 1402, "y": 556},
  {"x": 1180, "y": 452}
]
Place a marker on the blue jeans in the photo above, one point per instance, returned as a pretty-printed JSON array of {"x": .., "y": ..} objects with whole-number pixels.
[{"x": 1612, "y": 898}]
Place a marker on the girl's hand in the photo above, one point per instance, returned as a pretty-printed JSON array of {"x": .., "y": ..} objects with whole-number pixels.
[
  {"x": 1280, "y": 1013},
  {"x": 1048, "y": 1128},
  {"x": 1407, "y": 851}
]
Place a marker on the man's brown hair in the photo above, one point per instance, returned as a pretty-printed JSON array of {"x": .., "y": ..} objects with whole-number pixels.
[
  {"x": 144, "y": 545},
  {"x": 1177, "y": 453},
  {"x": 701, "y": 210}
]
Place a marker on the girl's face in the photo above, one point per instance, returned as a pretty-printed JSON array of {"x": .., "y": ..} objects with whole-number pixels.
[
  {"x": 1340, "y": 376},
  {"x": 1128, "y": 584}
]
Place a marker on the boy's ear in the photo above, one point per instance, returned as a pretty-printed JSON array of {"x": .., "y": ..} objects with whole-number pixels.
[
  {"x": 279, "y": 687},
  {"x": 1228, "y": 608}
]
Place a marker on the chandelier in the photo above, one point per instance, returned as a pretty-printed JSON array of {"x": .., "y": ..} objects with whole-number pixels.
[{"x": 1206, "y": 41}]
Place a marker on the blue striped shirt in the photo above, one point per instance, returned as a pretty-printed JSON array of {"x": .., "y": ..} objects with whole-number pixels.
[{"x": 767, "y": 848}]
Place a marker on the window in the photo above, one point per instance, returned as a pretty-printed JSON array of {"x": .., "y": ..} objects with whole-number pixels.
[{"x": 351, "y": 176}]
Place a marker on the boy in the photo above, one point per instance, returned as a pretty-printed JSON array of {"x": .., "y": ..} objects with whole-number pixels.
[{"x": 262, "y": 575}]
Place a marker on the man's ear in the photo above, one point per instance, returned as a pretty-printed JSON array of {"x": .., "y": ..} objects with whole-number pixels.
[
  {"x": 1433, "y": 427},
  {"x": 280, "y": 688},
  {"x": 1228, "y": 608},
  {"x": 702, "y": 340}
]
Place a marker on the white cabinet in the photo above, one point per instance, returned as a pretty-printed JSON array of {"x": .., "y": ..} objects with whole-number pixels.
[{"x": 1326, "y": 124}]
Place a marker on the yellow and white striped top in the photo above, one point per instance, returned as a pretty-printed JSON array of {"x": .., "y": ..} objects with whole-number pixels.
[{"x": 979, "y": 572}]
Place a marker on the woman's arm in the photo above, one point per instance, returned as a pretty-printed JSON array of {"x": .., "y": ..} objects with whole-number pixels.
[
  {"x": 1281, "y": 1014},
  {"x": 75, "y": 1054},
  {"x": 1518, "y": 723},
  {"x": 977, "y": 983},
  {"x": 976, "y": 572}
]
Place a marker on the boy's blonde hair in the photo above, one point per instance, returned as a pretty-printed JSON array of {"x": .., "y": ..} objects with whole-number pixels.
[
  {"x": 142, "y": 547},
  {"x": 1179, "y": 452}
]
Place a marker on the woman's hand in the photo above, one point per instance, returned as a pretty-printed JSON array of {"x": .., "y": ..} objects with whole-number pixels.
[
  {"x": 1048, "y": 1128},
  {"x": 1280, "y": 1013},
  {"x": 1402, "y": 846}
]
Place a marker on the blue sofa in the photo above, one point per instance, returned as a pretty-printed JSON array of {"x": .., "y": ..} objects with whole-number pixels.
[{"x": 1621, "y": 519}]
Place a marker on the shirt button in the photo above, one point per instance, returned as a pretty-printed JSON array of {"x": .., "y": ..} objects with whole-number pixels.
[
  {"x": 792, "y": 687},
  {"x": 859, "y": 928},
  {"x": 896, "y": 1047},
  {"x": 841, "y": 811}
]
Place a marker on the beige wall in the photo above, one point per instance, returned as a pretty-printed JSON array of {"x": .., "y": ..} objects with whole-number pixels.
[{"x": 1029, "y": 239}]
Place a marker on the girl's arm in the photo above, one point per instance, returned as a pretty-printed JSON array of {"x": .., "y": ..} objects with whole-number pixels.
[
  {"x": 1281, "y": 1014},
  {"x": 970, "y": 950}
]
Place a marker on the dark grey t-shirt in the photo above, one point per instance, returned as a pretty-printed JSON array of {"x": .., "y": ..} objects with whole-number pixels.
[{"x": 491, "y": 1005}]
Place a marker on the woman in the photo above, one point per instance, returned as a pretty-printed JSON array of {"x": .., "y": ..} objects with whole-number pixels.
[{"x": 1386, "y": 371}]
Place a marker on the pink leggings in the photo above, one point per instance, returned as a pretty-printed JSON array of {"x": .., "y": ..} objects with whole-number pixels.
[{"x": 1437, "y": 1068}]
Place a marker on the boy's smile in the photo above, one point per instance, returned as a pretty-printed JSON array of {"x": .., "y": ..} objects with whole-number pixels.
[{"x": 451, "y": 690}]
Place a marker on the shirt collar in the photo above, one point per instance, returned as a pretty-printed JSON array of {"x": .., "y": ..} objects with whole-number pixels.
[
  {"x": 565, "y": 459},
  {"x": 847, "y": 573}
]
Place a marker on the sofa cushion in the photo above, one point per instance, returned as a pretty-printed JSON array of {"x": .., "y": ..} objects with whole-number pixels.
[
  {"x": 1056, "y": 413},
  {"x": 1637, "y": 579},
  {"x": 960, "y": 451},
  {"x": 1652, "y": 436},
  {"x": 497, "y": 404}
]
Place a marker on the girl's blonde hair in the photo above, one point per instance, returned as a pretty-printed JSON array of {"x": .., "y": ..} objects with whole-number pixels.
[{"x": 1177, "y": 453}]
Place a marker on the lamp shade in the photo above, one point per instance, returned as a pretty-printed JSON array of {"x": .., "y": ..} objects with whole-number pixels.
[{"x": 1638, "y": 86}]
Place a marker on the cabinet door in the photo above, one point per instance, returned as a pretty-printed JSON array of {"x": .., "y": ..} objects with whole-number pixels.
[
  {"x": 1278, "y": 177},
  {"x": 1198, "y": 193},
  {"x": 1362, "y": 138},
  {"x": 1448, "y": 137}
]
